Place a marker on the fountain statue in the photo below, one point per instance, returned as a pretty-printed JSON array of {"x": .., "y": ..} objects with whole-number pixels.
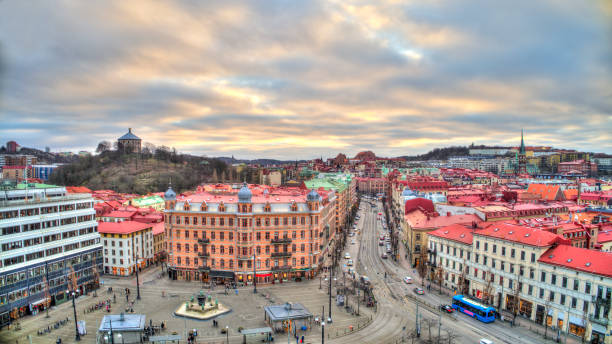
[{"x": 203, "y": 309}]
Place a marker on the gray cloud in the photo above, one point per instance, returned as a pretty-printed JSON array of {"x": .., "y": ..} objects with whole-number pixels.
[{"x": 306, "y": 78}]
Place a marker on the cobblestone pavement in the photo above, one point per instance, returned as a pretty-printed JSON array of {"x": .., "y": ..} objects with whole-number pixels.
[{"x": 247, "y": 310}]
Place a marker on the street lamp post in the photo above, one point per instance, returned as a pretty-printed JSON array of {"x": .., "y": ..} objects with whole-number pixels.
[
  {"x": 357, "y": 301},
  {"x": 322, "y": 332},
  {"x": 330, "y": 299},
  {"x": 76, "y": 325},
  {"x": 110, "y": 333},
  {"x": 227, "y": 333},
  {"x": 254, "y": 274},
  {"x": 137, "y": 281}
]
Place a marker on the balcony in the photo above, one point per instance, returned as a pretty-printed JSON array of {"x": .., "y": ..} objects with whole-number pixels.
[
  {"x": 280, "y": 254},
  {"x": 602, "y": 321},
  {"x": 245, "y": 257},
  {"x": 281, "y": 268},
  {"x": 281, "y": 240},
  {"x": 204, "y": 255},
  {"x": 203, "y": 241}
]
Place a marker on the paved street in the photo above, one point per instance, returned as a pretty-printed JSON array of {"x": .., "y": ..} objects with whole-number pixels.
[
  {"x": 392, "y": 292},
  {"x": 247, "y": 310}
]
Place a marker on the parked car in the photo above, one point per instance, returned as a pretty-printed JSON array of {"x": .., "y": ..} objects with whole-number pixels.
[
  {"x": 418, "y": 291},
  {"x": 350, "y": 262},
  {"x": 446, "y": 308},
  {"x": 381, "y": 243},
  {"x": 353, "y": 242},
  {"x": 408, "y": 280},
  {"x": 384, "y": 256},
  {"x": 347, "y": 255}
]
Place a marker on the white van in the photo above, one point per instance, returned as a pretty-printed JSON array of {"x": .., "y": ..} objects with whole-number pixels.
[{"x": 486, "y": 341}]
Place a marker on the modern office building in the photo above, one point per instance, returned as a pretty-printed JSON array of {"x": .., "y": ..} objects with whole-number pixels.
[{"x": 49, "y": 244}]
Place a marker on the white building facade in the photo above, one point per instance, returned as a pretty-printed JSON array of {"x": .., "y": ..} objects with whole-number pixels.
[{"x": 49, "y": 244}]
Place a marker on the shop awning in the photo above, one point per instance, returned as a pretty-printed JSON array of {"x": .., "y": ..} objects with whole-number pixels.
[
  {"x": 304, "y": 269},
  {"x": 38, "y": 302},
  {"x": 264, "y": 275},
  {"x": 221, "y": 273},
  {"x": 561, "y": 315},
  {"x": 576, "y": 321}
]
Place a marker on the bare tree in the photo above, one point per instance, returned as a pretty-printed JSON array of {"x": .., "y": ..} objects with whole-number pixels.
[
  {"x": 429, "y": 323},
  {"x": 103, "y": 146},
  {"x": 451, "y": 335},
  {"x": 516, "y": 304},
  {"x": 488, "y": 288},
  {"x": 422, "y": 267},
  {"x": 47, "y": 295},
  {"x": 439, "y": 276},
  {"x": 412, "y": 336},
  {"x": 585, "y": 312},
  {"x": 462, "y": 279},
  {"x": 546, "y": 308}
]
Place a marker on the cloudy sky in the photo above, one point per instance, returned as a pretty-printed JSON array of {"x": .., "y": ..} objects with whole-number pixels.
[{"x": 299, "y": 79}]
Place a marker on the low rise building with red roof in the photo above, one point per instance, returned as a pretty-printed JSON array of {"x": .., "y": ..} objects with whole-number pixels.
[
  {"x": 451, "y": 247},
  {"x": 128, "y": 245},
  {"x": 577, "y": 285},
  {"x": 602, "y": 199},
  {"x": 418, "y": 222}
]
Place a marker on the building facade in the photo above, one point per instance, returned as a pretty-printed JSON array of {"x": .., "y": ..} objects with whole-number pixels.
[
  {"x": 527, "y": 272},
  {"x": 274, "y": 235},
  {"x": 128, "y": 245},
  {"x": 49, "y": 244}
]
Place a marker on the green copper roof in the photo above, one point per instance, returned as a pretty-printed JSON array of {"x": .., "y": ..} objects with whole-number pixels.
[
  {"x": 22, "y": 186},
  {"x": 147, "y": 201}
]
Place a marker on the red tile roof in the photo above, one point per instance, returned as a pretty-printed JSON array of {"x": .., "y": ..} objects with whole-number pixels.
[
  {"x": 418, "y": 219},
  {"x": 124, "y": 227},
  {"x": 604, "y": 236},
  {"x": 456, "y": 232},
  {"x": 77, "y": 189},
  {"x": 121, "y": 214},
  {"x": 415, "y": 203},
  {"x": 546, "y": 192},
  {"x": 158, "y": 228},
  {"x": 571, "y": 194},
  {"x": 576, "y": 258},
  {"x": 522, "y": 234}
]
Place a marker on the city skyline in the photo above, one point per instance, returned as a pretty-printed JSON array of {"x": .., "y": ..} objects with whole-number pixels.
[{"x": 310, "y": 79}]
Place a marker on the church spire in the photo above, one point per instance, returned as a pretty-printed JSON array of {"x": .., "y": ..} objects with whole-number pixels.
[{"x": 522, "y": 149}]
